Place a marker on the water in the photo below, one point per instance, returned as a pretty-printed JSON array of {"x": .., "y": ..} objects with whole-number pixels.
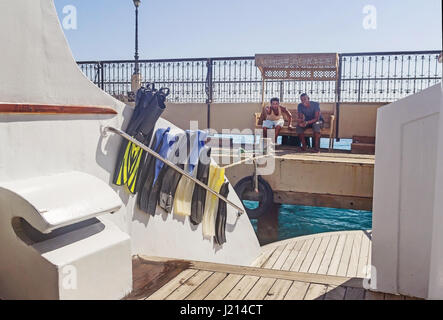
[
  {"x": 343, "y": 144},
  {"x": 295, "y": 221}
]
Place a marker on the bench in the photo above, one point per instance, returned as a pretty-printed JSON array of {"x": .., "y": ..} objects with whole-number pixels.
[
  {"x": 326, "y": 132},
  {"x": 52, "y": 241}
]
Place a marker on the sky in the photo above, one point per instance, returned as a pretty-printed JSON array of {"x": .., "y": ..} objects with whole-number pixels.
[{"x": 104, "y": 29}]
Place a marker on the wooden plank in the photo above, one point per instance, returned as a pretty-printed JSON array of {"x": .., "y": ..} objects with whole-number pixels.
[
  {"x": 171, "y": 286},
  {"x": 335, "y": 293},
  {"x": 318, "y": 258},
  {"x": 242, "y": 288},
  {"x": 316, "y": 292},
  {"x": 297, "y": 291},
  {"x": 355, "y": 294},
  {"x": 223, "y": 289},
  {"x": 389, "y": 296},
  {"x": 284, "y": 255},
  {"x": 355, "y": 255},
  {"x": 363, "y": 139},
  {"x": 411, "y": 298},
  {"x": 344, "y": 261},
  {"x": 260, "y": 289},
  {"x": 324, "y": 265},
  {"x": 189, "y": 285},
  {"x": 279, "y": 290},
  {"x": 370, "y": 254},
  {"x": 323, "y": 200},
  {"x": 335, "y": 261},
  {"x": 293, "y": 255},
  {"x": 35, "y": 109},
  {"x": 264, "y": 257},
  {"x": 148, "y": 277},
  {"x": 310, "y": 255},
  {"x": 274, "y": 257},
  {"x": 270, "y": 273},
  {"x": 364, "y": 255},
  {"x": 207, "y": 286},
  {"x": 302, "y": 255},
  {"x": 371, "y": 295}
]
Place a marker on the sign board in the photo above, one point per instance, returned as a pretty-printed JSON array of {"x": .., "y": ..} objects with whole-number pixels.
[{"x": 307, "y": 66}]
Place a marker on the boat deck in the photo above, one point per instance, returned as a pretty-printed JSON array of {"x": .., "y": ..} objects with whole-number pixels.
[{"x": 326, "y": 266}]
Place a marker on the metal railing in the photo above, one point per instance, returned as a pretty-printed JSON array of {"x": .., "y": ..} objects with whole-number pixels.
[
  {"x": 172, "y": 165},
  {"x": 364, "y": 77}
]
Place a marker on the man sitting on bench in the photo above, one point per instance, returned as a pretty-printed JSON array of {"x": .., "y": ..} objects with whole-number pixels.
[
  {"x": 272, "y": 117},
  {"x": 309, "y": 116}
]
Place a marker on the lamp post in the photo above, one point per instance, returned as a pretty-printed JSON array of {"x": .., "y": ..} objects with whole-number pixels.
[{"x": 136, "y": 77}]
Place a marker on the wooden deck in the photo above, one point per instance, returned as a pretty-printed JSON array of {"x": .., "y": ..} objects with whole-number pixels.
[
  {"x": 326, "y": 266},
  {"x": 344, "y": 254}
]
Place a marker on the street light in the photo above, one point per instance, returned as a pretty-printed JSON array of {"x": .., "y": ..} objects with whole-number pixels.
[{"x": 136, "y": 80}]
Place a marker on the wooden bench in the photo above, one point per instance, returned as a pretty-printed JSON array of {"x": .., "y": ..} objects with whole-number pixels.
[{"x": 326, "y": 132}]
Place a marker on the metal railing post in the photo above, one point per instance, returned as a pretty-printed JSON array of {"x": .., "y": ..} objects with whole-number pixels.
[
  {"x": 281, "y": 91},
  {"x": 209, "y": 90},
  {"x": 102, "y": 77},
  {"x": 338, "y": 95}
]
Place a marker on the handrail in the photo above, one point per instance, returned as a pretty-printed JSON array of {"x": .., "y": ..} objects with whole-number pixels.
[
  {"x": 246, "y": 160},
  {"x": 172, "y": 165},
  {"x": 254, "y": 157}
]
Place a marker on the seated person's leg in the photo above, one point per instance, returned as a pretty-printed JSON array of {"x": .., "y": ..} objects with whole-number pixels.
[
  {"x": 278, "y": 125},
  {"x": 301, "y": 135},
  {"x": 316, "y": 127},
  {"x": 277, "y": 132},
  {"x": 267, "y": 125}
]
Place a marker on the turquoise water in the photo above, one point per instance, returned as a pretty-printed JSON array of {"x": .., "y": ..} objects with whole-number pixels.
[
  {"x": 295, "y": 221},
  {"x": 343, "y": 144}
]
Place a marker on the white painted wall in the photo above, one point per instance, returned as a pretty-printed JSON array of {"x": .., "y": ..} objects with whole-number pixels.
[
  {"x": 404, "y": 190},
  {"x": 37, "y": 67},
  {"x": 436, "y": 268}
]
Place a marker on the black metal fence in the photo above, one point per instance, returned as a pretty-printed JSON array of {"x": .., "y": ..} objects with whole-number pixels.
[{"x": 364, "y": 77}]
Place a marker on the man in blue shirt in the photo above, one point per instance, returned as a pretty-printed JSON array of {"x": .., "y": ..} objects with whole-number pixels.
[{"x": 309, "y": 116}]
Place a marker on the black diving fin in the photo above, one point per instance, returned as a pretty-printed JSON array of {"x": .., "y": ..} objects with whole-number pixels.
[{"x": 150, "y": 104}]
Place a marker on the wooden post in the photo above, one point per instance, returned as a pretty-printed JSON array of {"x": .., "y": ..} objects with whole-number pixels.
[{"x": 267, "y": 226}]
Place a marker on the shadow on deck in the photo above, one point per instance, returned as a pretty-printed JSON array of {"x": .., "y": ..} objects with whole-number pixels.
[{"x": 315, "y": 267}]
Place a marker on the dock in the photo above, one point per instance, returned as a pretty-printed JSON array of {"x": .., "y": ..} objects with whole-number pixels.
[
  {"x": 328, "y": 266},
  {"x": 336, "y": 180}
]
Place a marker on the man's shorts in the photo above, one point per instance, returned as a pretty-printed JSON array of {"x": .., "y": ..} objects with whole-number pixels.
[
  {"x": 272, "y": 124},
  {"x": 316, "y": 127}
]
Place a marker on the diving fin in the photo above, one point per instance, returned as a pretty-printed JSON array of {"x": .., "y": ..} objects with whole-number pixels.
[{"x": 150, "y": 105}]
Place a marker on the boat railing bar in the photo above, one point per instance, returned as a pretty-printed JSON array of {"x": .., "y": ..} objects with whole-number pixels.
[
  {"x": 270, "y": 146},
  {"x": 390, "y": 53},
  {"x": 386, "y": 53},
  {"x": 246, "y": 160},
  {"x": 171, "y": 82},
  {"x": 172, "y": 165},
  {"x": 237, "y": 79}
]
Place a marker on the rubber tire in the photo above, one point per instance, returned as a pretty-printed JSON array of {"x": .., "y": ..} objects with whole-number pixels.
[{"x": 265, "y": 191}]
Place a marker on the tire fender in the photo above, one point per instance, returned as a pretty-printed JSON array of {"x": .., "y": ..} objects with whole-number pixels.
[{"x": 265, "y": 192}]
